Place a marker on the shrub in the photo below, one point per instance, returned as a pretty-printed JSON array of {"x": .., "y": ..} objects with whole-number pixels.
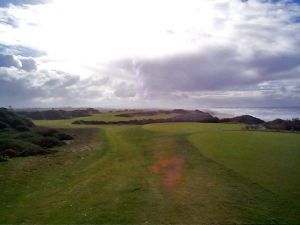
[
  {"x": 64, "y": 137},
  {"x": 18, "y": 139},
  {"x": 22, "y": 128},
  {"x": 46, "y": 132},
  {"x": 13, "y": 119},
  {"x": 28, "y": 122},
  {"x": 10, "y": 153},
  {"x": 17, "y": 122},
  {"x": 3, "y": 159},
  {"x": 35, "y": 152},
  {"x": 279, "y": 124},
  {"x": 18, "y": 145},
  {"x": 3, "y": 125},
  {"x": 26, "y": 135},
  {"x": 49, "y": 142}
]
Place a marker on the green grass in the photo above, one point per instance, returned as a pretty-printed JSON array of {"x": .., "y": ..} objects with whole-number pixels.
[
  {"x": 101, "y": 117},
  {"x": 268, "y": 158},
  {"x": 189, "y": 173}
]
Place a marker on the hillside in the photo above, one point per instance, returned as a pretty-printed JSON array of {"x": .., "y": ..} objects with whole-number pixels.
[
  {"x": 58, "y": 114},
  {"x": 179, "y": 115},
  {"x": 20, "y": 137},
  {"x": 245, "y": 119}
]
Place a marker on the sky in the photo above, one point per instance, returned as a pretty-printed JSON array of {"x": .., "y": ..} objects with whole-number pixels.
[{"x": 150, "y": 54}]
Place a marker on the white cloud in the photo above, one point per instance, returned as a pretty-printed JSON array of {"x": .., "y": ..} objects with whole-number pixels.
[{"x": 163, "y": 50}]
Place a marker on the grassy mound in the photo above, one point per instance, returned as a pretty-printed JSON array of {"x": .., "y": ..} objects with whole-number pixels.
[
  {"x": 58, "y": 114},
  {"x": 20, "y": 137}
]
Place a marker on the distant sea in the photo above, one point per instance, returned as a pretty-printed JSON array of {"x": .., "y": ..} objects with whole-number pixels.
[{"x": 265, "y": 113}]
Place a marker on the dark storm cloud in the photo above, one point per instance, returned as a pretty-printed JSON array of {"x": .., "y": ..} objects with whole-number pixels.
[
  {"x": 216, "y": 68},
  {"x": 270, "y": 66}
]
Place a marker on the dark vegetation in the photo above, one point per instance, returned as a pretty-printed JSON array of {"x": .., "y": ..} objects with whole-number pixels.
[
  {"x": 278, "y": 125},
  {"x": 57, "y": 114},
  {"x": 246, "y": 119},
  {"x": 146, "y": 113},
  {"x": 20, "y": 137},
  {"x": 252, "y": 122},
  {"x": 183, "y": 116}
]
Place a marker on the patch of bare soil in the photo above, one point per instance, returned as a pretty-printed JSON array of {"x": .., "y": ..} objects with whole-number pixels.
[
  {"x": 84, "y": 138},
  {"x": 170, "y": 168}
]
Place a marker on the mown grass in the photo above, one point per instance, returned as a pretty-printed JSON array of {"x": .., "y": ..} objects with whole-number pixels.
[
  {"x": 268, "y": 158},
  {"x": 189, "y": 173}
]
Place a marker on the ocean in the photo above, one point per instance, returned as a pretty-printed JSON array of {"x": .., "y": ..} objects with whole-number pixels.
[{"x": 265, "y": 113}]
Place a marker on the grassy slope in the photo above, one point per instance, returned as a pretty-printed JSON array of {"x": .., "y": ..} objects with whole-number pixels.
[
  {"x": 144, "y": 174},
  {"x": 270, "y": 159}
]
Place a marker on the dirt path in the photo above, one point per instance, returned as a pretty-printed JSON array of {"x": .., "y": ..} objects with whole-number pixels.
[{"x": 169, "y": 168}]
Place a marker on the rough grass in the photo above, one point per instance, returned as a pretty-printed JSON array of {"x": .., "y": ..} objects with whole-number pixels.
[
  {"x": 186, "y": 173},
  {"x": 101, "y": 117}
]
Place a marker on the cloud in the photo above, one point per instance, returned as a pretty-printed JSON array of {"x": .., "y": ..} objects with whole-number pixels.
[
  {"x": 7, "y": 3},
  {"x": 47, "y": 88},
  {"x": 214, "y": 68},
  {"x": 20, "y": 51},
  {"x": 8, "y": 20},
  {"x": 19, "y": 87},
  {"x": 9, "y": 61},
  {"x": 264, "y": 50},
  {"x": 124, "y": 90},
  {"x": 23, "y": 63},
  {"x": 14, "y": 91},
  {"x": 216, "y": 52},
  {"x": 28, "y": 64}
]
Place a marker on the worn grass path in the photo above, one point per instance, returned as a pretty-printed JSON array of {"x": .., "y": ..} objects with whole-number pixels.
[{"x": 134, "y": 175}]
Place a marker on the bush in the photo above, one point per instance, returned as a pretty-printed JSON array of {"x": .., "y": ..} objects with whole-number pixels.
[
  {"x": 17, "y": 122},
  {"x": 64, "y": 137},
  {"x": 3, "y": 125},
  {"x": 18, "y": 139},
  {"x": 46, "y": 132},
  {"x": 17, "y": 145},
  {"x": 28, "y": 122},
  {"x": 12, "y": 119},
  {"x": 10, "y": 153},
  {"x": 49, "y": 142},
  {"x": 22, "y": 128},
  {"x": 25, "y": 135},
  {"x": 35, "y": 152},
  {"x": 3, "y": 159}
]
